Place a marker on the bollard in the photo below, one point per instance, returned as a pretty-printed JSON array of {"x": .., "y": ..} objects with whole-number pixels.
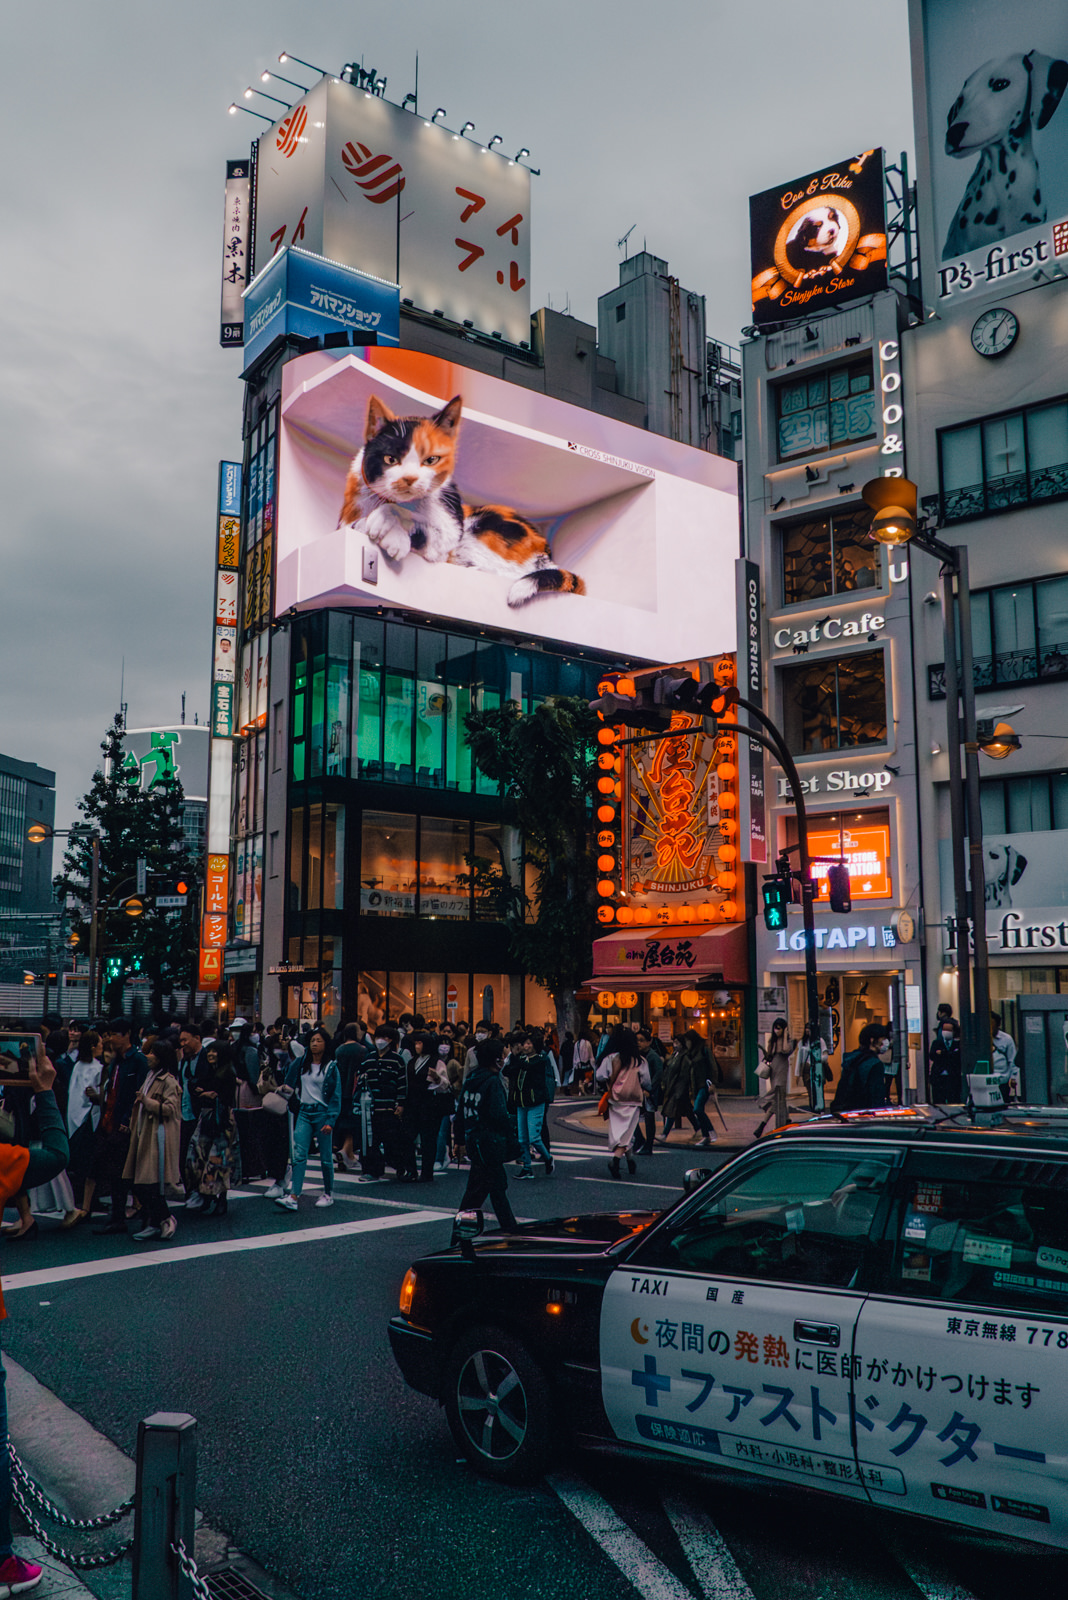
[{"x": 165, "y": 1504}]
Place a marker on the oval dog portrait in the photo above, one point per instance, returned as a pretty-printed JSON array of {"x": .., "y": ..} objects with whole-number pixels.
[{"x": 816, "y": 239}]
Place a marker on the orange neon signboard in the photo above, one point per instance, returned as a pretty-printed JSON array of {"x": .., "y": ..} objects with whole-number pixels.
[{"x": 866, "y": 851}]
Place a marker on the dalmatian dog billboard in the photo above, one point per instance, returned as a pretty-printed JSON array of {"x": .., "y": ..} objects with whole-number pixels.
[
  {"x": 819, "y": 240},
  {"x": 998, "y": 142}
]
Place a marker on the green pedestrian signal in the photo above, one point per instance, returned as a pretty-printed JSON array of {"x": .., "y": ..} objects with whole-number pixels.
[{"x": 776, "y": 900}]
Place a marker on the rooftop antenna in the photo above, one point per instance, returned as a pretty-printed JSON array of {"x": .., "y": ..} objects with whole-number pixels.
[
  {"x": 183, "y": 708},
  {"x": 122, "y": 692},
  {"x": 621, "y": 244}
]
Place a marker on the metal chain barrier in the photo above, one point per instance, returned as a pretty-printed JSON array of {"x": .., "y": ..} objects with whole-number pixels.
[
  {"x": 24, "y": 1489},
  {"x": 189, "y": 1570}
]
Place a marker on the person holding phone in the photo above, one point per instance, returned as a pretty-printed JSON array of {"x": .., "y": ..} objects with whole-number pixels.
[{"x": 22, "y": 1167}]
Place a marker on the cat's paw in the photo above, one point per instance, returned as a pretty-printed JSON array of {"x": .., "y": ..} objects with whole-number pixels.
[{"x": 383, "y": 529}]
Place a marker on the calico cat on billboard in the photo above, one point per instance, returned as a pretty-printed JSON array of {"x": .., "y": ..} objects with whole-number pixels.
[
  {"x": 409, "y": 481},
  {"x": 820, "y": 240}
]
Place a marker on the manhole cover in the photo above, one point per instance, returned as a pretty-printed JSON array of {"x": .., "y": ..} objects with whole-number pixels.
[{"x": 229, "y": 1584}]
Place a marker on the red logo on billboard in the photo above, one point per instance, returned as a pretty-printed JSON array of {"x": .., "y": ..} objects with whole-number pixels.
[
  {"x": 290, "y": 130},
  {"x": 374, "y": 175}
]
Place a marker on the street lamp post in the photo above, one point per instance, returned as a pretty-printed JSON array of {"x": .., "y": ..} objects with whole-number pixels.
[{"x": 894, "y": 502}]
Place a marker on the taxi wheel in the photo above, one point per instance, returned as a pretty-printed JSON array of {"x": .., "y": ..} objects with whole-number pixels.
[{"x": 498, "y": 1406}]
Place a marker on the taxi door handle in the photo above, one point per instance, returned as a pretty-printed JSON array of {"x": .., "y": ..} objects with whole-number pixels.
[{"x": 828, "y": 1333}]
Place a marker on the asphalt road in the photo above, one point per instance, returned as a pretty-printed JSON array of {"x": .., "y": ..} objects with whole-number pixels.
[{"x": 321, "y": 1464}]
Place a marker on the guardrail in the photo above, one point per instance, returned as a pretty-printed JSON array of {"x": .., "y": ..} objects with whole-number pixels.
[{"x": 163, "y": 1508}]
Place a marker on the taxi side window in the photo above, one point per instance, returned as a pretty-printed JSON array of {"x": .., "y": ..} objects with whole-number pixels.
[
  {"x": 798, "y": 1218},
  {"x": 997, "y": 1237}
]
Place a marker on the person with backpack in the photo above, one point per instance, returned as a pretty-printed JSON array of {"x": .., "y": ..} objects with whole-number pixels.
[
  {"x": 628, "y": 1084},
  {"x": 484, "y": 1129},
  {"x": 862, "y": 1084}
]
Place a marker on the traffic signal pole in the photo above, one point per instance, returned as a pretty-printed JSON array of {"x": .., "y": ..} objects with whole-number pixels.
[
  {"x": 709, "y": 700},
  {"x": 773, "y": 741}
]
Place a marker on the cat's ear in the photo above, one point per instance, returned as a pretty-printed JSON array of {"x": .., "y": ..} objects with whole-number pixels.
[
  {"x": 448, "y": 419},
  {"x": 377, "y": 417}
]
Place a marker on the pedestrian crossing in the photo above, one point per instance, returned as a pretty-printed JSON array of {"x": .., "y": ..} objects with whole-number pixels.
[{"x": 564, "y": 1152}]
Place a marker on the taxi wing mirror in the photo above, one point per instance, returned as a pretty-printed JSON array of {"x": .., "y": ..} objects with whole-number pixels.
[
  {"x": 695, "y": 1177},
  {"x": 466, "y": 1227}
]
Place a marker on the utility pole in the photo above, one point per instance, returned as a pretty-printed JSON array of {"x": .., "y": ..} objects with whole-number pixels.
[{"x": 94, "y": 895}]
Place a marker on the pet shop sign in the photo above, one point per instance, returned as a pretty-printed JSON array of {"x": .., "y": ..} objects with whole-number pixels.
[
  {"x": 993, "y": 268},
  {"x": 819, "y": 241},
  {"x": 301, "y": 293}
]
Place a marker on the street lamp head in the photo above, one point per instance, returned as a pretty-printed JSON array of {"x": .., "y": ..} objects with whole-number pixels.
[
  {"x": 894, "y": 502},
  {"x": 39, "y": 833},
  {"x": 996, "y": 740}
]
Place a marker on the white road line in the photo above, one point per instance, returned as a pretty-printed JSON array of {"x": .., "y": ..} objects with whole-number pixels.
[
  {"x": 629, "y": 1183},
  {"x": 621, "y": 1544},
  {"x": 703, "y": 1546},
  {"x": 162, "y": 1256},
  {"x": 931, "y": 1578}
]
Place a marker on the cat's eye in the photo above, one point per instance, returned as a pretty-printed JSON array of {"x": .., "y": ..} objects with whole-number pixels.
[
  {"x": 389, "y": 461},
  {"x": 431, "y": 461}
]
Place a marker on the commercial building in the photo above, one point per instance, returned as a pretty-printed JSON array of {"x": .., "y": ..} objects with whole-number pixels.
[
  {"x": 27, "y": 796},
  {"x": 822, "y": 380},
  {"x": 346, "y": 815},
  {"x": 986, "y": 415}
]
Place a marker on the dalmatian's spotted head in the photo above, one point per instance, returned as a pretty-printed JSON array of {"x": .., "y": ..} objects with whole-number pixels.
[{"x": 1002, "y": 98}]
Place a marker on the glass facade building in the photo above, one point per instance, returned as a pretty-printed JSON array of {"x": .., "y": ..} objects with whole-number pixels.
[{"x": 374, "y": 879}]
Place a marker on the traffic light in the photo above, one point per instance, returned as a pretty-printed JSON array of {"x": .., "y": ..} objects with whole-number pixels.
[
  {"x": 172, "y": 889},
  {"x": 838, "y": 888},
  {"x": 776, "y": 892},
  {"x": 649, "y": 700}
]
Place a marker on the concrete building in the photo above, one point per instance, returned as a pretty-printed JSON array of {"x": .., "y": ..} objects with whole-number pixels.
[
  {"x": 839, "y": 648},
  {"x": 988, "y": 449}
]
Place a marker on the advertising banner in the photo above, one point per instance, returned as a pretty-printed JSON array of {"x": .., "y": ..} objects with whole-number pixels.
[
  {"x": 356, "y": 179},
  {"x": 752, "y": 792},
  {"x": 209, "y": 970},
  {"x": 217, "y": 886},
  {"x": 212, "y": 932},
  {"x": 866, "y": 852},
  {"x": 226, "y": 599},
  {"x": 156, "y": 753},
  {"x": 235, "y": 262},
  {"x": 996, "y": 142},
  {"x": 222, "y": 711},
  {"x": 298, "y": 292},
  {"x": 1026, "y": 893},
  {"x": 519, "y": 506},
  {"x": 819, "y": 240}
]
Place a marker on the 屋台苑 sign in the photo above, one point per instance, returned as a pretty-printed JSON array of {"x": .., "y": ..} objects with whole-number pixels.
[{"x": 819, "y": 240}]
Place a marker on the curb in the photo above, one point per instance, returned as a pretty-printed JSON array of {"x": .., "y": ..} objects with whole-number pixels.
[{"x": 86, "y": 1474}]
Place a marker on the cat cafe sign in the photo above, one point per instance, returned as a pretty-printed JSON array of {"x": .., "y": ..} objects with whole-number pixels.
[
  {"x": 601, "y": 518},
  {"x": 832, "y": 630}
]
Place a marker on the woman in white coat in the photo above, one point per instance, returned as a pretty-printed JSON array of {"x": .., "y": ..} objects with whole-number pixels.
[{"x": 628, "y": 1084}]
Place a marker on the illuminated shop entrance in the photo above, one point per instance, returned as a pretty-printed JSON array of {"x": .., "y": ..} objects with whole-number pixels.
[{"x": 717, "y": 1014}]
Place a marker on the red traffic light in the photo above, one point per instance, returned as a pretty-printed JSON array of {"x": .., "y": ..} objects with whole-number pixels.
[{"x": 181, "y": 886}]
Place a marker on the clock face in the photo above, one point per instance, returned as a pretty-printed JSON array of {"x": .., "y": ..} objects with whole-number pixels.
[
  {"x": 995, "y": 332},
  {"x": 906, "y": 927}
]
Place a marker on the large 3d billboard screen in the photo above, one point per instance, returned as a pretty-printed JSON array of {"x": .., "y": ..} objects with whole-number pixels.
[
  {"x": 409, "y": 481},
  {"x": 992, "y": 79},
  {"x": 349, "y": 176},
  {"x": 819, "y": 240}
]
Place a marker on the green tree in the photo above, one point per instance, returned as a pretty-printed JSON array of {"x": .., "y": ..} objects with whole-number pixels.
[
  {"x": 545, "y": 765},
  {"x": 133, "y": 823}
]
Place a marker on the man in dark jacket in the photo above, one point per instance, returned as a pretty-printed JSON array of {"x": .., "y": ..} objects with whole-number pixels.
[
  {"x": 485, "y": 1126},
  {"x": 862, "y": 1084},
  {"x": 384, "y": 1078},
  {"x": 646, "y": 1138},
  {"x": 128, "y": 1072},
  {"x": 350, "y": 1057}
]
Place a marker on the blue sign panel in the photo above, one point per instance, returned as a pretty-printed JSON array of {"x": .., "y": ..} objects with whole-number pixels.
[
  {"x": 301, "y": 293},
  {"x": 229, "y": 488}
]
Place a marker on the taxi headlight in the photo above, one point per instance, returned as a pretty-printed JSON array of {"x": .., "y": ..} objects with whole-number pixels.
[{"x": 407, "y": 1294}]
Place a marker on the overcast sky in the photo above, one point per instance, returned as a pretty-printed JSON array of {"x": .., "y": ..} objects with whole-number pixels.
[{"x": 117, "y": 400}]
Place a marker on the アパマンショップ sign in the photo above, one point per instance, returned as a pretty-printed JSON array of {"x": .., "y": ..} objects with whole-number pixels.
[{"x": 819, "y": 240}]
